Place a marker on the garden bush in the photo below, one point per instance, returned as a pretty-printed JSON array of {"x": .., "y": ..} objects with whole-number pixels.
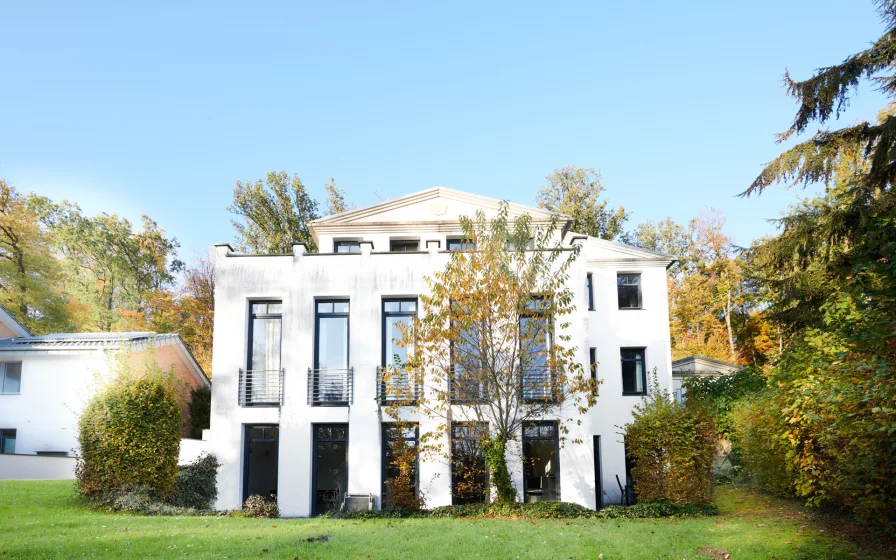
[
  {"x": 129, "y": 432},
  {"x": 543, "y": 510},
  {"x": 259, "y": 506},
  {"x": 138, "y": 499},
  {"x": 194, "y": 486},
  {"x": 672, "y": 449}
]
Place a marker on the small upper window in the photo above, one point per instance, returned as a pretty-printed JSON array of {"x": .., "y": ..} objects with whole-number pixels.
[
  {"x": 404, "y": 246},
  {"x": 589, "y": 285},
  {"x": 629, "y": 288},
  {"x": 347, "y": 246},
  {"x": 513, "y": 246},
  {"x": 460, "y": 244},
  {"x": 7, "y": 441},
  {"x": 10, "y": 377}
]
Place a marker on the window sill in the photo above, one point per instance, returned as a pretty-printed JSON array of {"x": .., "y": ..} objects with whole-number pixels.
[
  {"x": 634, "y": 394},
  {"x": 10, "y": 394},
  {"x": 631, "y": 309}
]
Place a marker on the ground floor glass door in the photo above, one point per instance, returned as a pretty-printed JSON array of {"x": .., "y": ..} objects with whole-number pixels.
[
  {"x": 330, "y": 469},
  {"x": 260, "y": 458}
]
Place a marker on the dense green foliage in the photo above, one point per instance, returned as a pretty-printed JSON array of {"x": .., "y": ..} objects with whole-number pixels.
[
  {"x": 671, "y": 448},
  {"x": 194, "y": 486},
  {"x": 259, "y": 506},
  {"x": 129, "y": 432},
  {"x": 825, "y": 429},
  {"x": 546, "y": 509},
  {"x": 200, "y": 410},
  {"x": 719, "y": 395},
  {"x": 495, "y": 450},
  {"x": 576, "y": 192}
]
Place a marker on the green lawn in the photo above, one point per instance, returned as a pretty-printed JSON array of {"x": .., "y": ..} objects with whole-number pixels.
[{"x": 43, "y": 519}]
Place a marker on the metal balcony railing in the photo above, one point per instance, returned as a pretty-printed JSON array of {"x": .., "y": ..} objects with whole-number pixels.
[
  {"x": 465, "y": 386},
  {"x": 330, "y": 387},
  {"x": 538, "y": 385},
  {"x": 396, "y": 386},
  {"x": 260, "y": 387}
]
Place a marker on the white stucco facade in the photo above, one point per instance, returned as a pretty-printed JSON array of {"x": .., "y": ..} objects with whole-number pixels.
[{"x": 367, "y": 278}]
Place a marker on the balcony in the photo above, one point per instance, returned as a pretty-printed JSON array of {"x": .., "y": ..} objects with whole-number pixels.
[
  {"x": 330, "y": 387},
  {"x": 466, "y": 387},
  {"x": 395, "y": 386},
  {"x": 260, "y": 387},
  {"x": 538, "y": 385}
]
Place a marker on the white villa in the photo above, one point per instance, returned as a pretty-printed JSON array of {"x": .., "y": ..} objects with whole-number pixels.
[
  {"x": 289, "y": 326},
  {"x": 45, "y": 382}
]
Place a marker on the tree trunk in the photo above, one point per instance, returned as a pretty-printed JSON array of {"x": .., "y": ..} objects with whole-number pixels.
[
  {"x": 728, "y": 324},
  {"x": 499, "y": 474}
]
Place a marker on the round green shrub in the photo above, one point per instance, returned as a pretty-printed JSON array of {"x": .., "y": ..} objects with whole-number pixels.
[{"x": 129, "y": 434}]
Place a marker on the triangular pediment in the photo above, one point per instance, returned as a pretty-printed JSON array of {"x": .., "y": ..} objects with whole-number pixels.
[
  {"x": 603, "y": 250},
  {"x": 438, "y": 205}
]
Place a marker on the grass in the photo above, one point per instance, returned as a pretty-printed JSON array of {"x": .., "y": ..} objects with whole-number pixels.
[{"x": 44, "y": 519}]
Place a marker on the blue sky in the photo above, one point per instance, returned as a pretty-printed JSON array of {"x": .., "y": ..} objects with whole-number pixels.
[{"x": 159, "y": 108}]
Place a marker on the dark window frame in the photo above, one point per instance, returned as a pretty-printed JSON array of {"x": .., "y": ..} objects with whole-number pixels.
[
  {"x": 598, "y": 476},
  {"x": 592, "y": 363},
  {"x": 459, "y": 244},
  {"x": 589, "y": 285},
  {"x": 620, "y": 286},
  {"x": 253, "y": 316},
  {"x": 384, "y": 463},
  {"x": 346, "y": 243},
  {"x": 314, "y": 441},
  {"x": 622, "y": 360},
  {"x": 541, "y": 308},
  {"x": 387, "y": 314},
  {"x": 348, "y": 326},
  {"x": 556, "y": 455},
  {"x": 4, "y": 376},
  {"x": 405, "y": 245},
  {"x": 483, "y": 427},
  {"x": 451, "y": 377},
  {"x": 246, "y": 442}
]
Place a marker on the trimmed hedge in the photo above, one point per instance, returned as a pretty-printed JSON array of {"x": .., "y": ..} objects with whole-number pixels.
[
  {"x": 130, "y": 432},
  {"x": 543, "y": 510},
  {"x": 195, "y": 485}
]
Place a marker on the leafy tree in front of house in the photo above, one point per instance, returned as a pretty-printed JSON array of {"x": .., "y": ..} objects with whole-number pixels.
[
  {"x": 576, "y": 192},
  {"x": 493, "y": 341}
]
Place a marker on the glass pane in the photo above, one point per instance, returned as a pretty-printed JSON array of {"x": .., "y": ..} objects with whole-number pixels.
[
  {"x": 391, "y": 338},
  {"x": 391, "y": 307},
  {"x": 409, "y": 306},
  {"x": 332, "y": 343},
  {"x": 540, "y": 470},
  {"x": 468, "y": 468},
  {"x": 259, "y": 308},
  {"x": 340, "y": 307},
  {"x": 274, "y": 308},
  {"x": 348, "y": 247},
  {"x": 8, "y": 442},
  {"x": 12, "y": 381},
  {"x": 632, "y": 371},
  {"x": 265, "y": 344},
  {"x": 325, "y": 307},
  {"x": 331, "y": 475},
  {"x": 331, "y": 432}
]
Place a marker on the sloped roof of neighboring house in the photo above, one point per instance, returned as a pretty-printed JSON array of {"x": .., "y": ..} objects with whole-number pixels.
[
  {"x": 699, "y": 365},
  {"x": 70, "y": 343},
  {"x": 10, "y": 322},
  {"x": 605, "y": 251},
  {"x": 438, "y": 205}
]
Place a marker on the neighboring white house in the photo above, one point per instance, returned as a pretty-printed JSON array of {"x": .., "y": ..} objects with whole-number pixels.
[
  {"x": 697, "y": 366},
  {"x": 45, "y": 381},
  {"x": 299, "y": 337}
]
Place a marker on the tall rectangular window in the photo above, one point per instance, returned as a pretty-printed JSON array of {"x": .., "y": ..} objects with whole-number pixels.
[
  {"x": 260, "y": 384},
  {"x": 404, "y": 246},
  {"x": 399, "y": 452},
  {"x": 10, "y": 377},
  {"x": 466, "y": 378},
  {"x": 8, "y": 441},
  {"x": 395, "y": 380},
  {"x": 541, "y": 461},
  {"x": 535, "y": 347},
  {"x": 592, "y": 363},
  {"x": 589, "y": 286},
  {"x": 459, "y": 244},
  {"x": 628, "y": 287},
  {"x": 347, "y": 246},
  {"x": 634, "y": 373},
  {"x": 469, "y": 474},
  {"x": 331, "y": 330}
]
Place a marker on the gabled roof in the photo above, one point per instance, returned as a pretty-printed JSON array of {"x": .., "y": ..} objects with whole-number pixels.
[
  {"x": 439, "y": 206},
  {"x": 69, "y": 343},
  {"x": 613, "y": 251},
  {"x": 11, "y": 324}
]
